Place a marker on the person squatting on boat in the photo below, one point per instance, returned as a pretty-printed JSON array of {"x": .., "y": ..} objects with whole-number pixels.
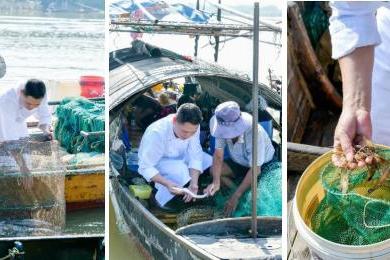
[
  {"x": 360, "y": 33},
  {"x": 233, "y": 129},
  {"x": 171, "y": 156},
  {"x": 16, "y": 105}
]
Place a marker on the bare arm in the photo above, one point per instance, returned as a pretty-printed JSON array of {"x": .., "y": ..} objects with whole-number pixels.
[
  {"x": 193, "y": 184},
  {"x": 20, "y": 161},
  {"x": 46, "y": 131},
  {"x": 246, "y": 183},
  {"x": 355, "y": 123},
  {"x": 216, "y": 171},
  {"x": 231, "y": 204},
  {"x": 167, "y": 183}
]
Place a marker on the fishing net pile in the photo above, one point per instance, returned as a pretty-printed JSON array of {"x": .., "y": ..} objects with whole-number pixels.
[
  {"x": 316, "y": 20},
  {"x": 269, "y": 194},
  {"x": 32, "y": 200},
  {"x": 358, "y": 214},
  {"x": 80, "y": 114}
]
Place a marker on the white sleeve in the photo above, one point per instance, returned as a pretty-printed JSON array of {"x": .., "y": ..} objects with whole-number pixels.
[
  {"x": 195, "y": 152},
  {"x": 353, "y": 25},
  {"x": 220, "y": 143},
  {"x": 43, "y": 112},
  {"x": 265, "y": 150},
  {"x": 150, "y": 152}
]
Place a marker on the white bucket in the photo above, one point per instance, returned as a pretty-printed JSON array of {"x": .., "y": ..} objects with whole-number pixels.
[{"x": 308, "y": 191}]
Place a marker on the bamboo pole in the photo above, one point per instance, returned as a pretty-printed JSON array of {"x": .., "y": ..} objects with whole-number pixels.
[
  {"x": 219, "y": 13},
  {"x": 255, "y": 98}
]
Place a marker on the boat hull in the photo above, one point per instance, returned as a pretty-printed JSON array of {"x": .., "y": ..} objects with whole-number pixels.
[
  {"x": 162, "y": 242},
  {"x": 84, "y": 190}
]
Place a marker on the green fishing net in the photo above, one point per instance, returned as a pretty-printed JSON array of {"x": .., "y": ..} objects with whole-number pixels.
[
  {"x": 269, "y": 194},
  {"x": 80, "y": 114},
  {"x": 361, "y": 216},
  {"x": 316, "y": 21}
]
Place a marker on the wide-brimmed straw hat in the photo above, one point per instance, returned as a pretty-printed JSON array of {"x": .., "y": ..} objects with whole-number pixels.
[{"x": 228, "y": 121}]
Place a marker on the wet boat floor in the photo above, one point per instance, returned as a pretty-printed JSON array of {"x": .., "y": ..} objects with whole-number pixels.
[{"x": 233, "y": 248}]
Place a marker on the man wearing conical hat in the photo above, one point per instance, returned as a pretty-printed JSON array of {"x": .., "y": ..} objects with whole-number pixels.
[{"x": 233, "y": 129}]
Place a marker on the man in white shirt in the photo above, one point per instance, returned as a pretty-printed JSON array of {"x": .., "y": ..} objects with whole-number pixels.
[
  {"x": 170, "y": 153},
  {"x": 360, "y": 34},
  {"x": 233, "y": 128},
  {"x": 16, "y": 105}
]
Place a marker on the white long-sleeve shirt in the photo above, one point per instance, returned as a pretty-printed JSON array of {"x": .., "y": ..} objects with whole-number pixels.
[
  {"x": 13, "y": 115},
  {"x": 357, "y": 24},
  {"x": 159, "y": 142}
]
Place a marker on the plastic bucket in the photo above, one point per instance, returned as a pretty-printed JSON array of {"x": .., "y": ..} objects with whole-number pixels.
[
  {"x": 92, "y": 86},
  {"x": 58, "y": 90},
  {"x": 309, "y": 194}
]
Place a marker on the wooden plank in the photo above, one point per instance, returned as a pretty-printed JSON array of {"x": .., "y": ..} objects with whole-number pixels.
[
  {"x": 309, "y": 64},
  {"x": 233, "y": 247},
  {"x": 291, "y": 229},
  {"x": 296, "y": 246},
  {"x": 300, "y": 250},
  {"x": 84, "y": 188},
  {"x": 299, "y": 156}
]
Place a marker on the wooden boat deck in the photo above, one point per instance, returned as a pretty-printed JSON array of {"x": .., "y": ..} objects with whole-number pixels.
[
  {"x": 296, "y": 246},
  {"x": 233, "y": 247}
]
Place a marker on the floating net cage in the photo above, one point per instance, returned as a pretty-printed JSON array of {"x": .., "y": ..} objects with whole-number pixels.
[
  {"x": 78, "y": 114},
  {"x": 359, "y": 216},
  {"x": 32, "y": 200}
]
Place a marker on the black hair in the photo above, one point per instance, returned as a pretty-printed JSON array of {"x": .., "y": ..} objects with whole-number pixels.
[
  {"x": 185, "y": 99},
  {"x": 189, "y": 113},
  {"x": 190, "y": 89},
  {"x": 35, "y": 88}
]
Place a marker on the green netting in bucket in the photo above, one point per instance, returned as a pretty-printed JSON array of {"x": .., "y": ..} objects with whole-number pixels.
[
  {"x": 76, "y": 115},
  {"x": 356, "y": 207}
]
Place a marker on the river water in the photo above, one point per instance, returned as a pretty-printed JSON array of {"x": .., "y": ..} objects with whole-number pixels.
[
  {"x": 51, "y": 48},
  {"x": 122, "y": 244}
]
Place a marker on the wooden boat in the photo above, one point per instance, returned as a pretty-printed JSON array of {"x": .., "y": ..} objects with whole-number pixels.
[
  {"x": 84, "y": 188},
  {"x": 314, "y": 101},
  {"x": 131, "y": 74}
]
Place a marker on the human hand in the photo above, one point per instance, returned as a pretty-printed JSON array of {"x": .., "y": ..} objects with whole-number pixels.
[
  {"x": 194, "y": 189},
  {"x": 174, "y": 189},
  {"x": 212, "y": 188},
  {"x": 354, "y": 127},
  {"x": 231, "y": 205},
  {"x": 48, "y": 133}
]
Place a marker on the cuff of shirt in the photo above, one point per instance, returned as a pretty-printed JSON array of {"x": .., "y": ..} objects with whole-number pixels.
[
  {"x": 148, "y": 173},
  {"x": 45, "y": 121},
  {"x": 196, "y": 164},
  {"x": 349, "y": 33}
]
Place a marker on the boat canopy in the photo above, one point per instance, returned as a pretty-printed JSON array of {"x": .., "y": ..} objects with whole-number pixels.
[{"x": 135, "y": 69}]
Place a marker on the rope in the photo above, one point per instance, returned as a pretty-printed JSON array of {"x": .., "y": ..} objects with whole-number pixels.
[
  {"x": 12, "y": 253},
  {"x": 364, "y": 217}
]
